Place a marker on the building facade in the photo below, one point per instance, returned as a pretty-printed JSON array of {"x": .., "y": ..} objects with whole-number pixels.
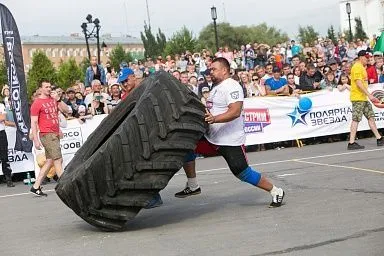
[
  {"x": 61, "y": 48},
  {"x": 371, "y": 13}
]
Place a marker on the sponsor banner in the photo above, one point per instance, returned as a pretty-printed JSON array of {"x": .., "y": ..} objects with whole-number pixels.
[
  {"x": 16, "y": 79},
  {"x": 274, "y": 119},
  {"x": 20, "y": 161}
]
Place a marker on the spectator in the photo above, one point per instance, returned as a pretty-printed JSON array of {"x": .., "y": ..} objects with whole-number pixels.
[
  {"x": 334, "y": 66},
  {"x": 249, "y": 54},
  {"x": 292, "y": 87},
  {"x": 310, "y": 80},
  {"x": 96, "y": 86},
  {"x": 176, "y": 74},
  {"x": 98, "y": 106},
  {"x": 286, "y": 70},
  {"x": 82, "y": 114},
  {"x": 259, "y": 89},
  {"x": 296, "y": 49},
  {"x": 295, "y": 61},
  {"x": 276, "y": 84},
  {"x": 344, "y": 83},
  {"x": 115, "y": 98},
  {"x": 184, "y": 78},
  {"x": 193, "y": 84},
  {"x": 72, "y": 101},
  {"x": 127, "y": 81},
  {"x": 297, "y": 74},
  {"x": 208, "y": 82},
  {"x": 6, "y": 168},
  {"x": 373, "y": 77},
  {"x": 329, "y": 81},
  {"x": 205, "y": 92},
  {"x": 247, "y": 84},
  {"x": 93, "y": 72}
]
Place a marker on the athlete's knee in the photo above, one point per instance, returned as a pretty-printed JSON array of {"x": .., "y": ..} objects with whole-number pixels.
[
  {"x": 190, "y": 157},
  {"x": 250, "y": 176}
]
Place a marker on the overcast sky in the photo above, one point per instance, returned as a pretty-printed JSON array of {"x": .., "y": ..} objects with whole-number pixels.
[{"x": 62, "y": 17}]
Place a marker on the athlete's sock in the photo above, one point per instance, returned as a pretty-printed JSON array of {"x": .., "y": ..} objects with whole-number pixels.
[
  {"x": 274, "y": 191},
  {"x": 250, "y": 176},
  {"x": 192, "y": 183}
]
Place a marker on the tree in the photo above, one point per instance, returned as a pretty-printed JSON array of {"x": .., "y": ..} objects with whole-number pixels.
[
  {"x": 153, "y": 45},
  {"x": 307, "y": 35},
  {"x": 68, "y": 73},
  {"x": 331, "y": 34},
  {"x": 42, "y": 68},
  {"x": 118, "y": 55},
  {"x": 181, "y": 41},
  {"x": 359, "y": 31},
  {"x": 235, "y": 36}
]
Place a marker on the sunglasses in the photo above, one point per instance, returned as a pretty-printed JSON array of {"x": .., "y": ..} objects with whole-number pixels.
[{"x": 255, "y": 79}]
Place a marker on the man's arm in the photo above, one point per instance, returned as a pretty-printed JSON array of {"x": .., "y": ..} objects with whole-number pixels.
[
  {"x": 359, "y": 84},
  {"x": 34, "y": 127},
  {"x": 233, "y": 112}
]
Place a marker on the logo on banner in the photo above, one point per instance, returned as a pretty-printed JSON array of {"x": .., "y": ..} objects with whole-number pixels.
[
  {"x": 300, "y": 111},
  {"x": 379, "y": 94},
  {"x": 256, "y": 119}
]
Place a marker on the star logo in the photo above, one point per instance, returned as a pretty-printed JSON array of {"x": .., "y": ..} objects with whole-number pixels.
[{"x": 298, "y": 116}]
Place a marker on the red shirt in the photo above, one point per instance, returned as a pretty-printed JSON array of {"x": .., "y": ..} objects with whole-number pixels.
[
  {"x": 47, "y": 112},
  {"x": 372, "y": 74}
]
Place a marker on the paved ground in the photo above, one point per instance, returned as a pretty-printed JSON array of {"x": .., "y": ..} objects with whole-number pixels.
[{"x": 334, "y": 206}]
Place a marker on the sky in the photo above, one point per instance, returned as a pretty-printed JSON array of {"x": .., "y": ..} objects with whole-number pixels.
[{"x": 118, "y": 17}]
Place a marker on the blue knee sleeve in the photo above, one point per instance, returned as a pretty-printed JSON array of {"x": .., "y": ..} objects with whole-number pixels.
[
  {"x": 190, "y": 157},
  {"x": 250, "y": 176}
]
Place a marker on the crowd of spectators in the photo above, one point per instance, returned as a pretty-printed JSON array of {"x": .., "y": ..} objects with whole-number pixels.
[{"x": 286, "y": 69}]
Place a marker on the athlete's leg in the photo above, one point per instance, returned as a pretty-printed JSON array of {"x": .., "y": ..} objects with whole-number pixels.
[{"x": 236, "y": 159}]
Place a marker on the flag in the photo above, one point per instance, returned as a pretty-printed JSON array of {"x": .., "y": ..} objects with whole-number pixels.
[{"x": 16, "y": 79}]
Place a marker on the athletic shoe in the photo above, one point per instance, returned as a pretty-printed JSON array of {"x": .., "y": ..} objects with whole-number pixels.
[
  {"x": 354, "y": 146},
  {"x": 188, "y": 192},
  {"x": 380, "y": 142},
  {"x": 277, "y": 199},
  {"x": 155, "y": 202},
  {"x": 37, "y": 192},
  {"x": 10, "y": 184}
]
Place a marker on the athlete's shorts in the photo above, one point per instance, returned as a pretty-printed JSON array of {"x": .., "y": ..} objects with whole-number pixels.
[
  {"x": 234, "y": 155},
  {"x": 360, "y": 108},
  {"x": 51, "y": 144}
]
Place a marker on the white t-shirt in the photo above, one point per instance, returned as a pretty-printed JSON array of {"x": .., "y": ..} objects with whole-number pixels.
[
  {"x": 222, "y": 95},
  {"x": 2, "y": 112}
]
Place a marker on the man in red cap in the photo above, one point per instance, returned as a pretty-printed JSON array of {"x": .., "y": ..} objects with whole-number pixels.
[{"x": 360, "y": 104}]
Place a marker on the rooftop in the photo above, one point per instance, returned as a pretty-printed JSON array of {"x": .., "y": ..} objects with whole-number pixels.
[{"x": 78, "y": 39}]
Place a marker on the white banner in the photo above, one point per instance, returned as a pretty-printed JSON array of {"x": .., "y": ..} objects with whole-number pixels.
[
  {"x": 19, "y": 161},
  {"x": 75, "y": 134},
  {"x": 273, "y": 119}
]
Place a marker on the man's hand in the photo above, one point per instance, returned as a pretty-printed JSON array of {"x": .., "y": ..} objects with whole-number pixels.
[
  {"x": 373, "y": 99},
  {"x": 316, "y": 85},
  {"x": 38, "y": 145},
  {"x": 209, "y": 118}
]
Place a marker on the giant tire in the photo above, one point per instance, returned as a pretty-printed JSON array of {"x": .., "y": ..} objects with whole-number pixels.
[{"x": 134, "y": 153}]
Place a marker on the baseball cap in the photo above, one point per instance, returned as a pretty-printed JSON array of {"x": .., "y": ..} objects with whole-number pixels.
[
  {"x": 377, "y": 53},
  {"x": 364, "y": 53},
  {"x": 124, "y": 73},
  {"x": 332, "y": 61},
  {"x": 207, "y": 72},
  {"x": 81, "y": 108},
  {"x": 200, "y": 78},
  {"x": 204, "y": 89},
  {"x": 70, "y": 89},
  {"x": 276, "y": 70},
  {"x": 123, "y": 64}
]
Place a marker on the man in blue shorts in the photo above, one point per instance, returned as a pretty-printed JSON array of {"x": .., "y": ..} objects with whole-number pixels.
[{"x": 226, "y": 135}]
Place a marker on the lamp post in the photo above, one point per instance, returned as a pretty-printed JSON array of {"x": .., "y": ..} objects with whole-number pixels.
[
  {"x": 214, "y": 18},
  {"x": 348, "y": 7},
  {"x": 95, "y": 33}
]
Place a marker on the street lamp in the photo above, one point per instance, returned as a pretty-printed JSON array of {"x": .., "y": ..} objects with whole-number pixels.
[
  {"x": 348, "y": 7},
  {"x": 214, "y": 18},
  {"x": 95, "y": 33}
]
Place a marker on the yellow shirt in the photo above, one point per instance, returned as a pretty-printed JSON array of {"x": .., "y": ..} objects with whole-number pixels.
[{"x": 358, "y": 72}]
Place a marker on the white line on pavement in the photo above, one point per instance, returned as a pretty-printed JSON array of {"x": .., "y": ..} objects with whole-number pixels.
[
  {"x": 22, "y": 194},
  {"x": 340, "y": 166}
]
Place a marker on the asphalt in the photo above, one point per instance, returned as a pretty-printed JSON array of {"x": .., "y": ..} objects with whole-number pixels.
[{"x": 334, "y": 206}]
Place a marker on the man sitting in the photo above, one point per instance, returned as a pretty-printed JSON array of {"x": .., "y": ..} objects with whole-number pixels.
[{"x": 276, "y": 84}]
